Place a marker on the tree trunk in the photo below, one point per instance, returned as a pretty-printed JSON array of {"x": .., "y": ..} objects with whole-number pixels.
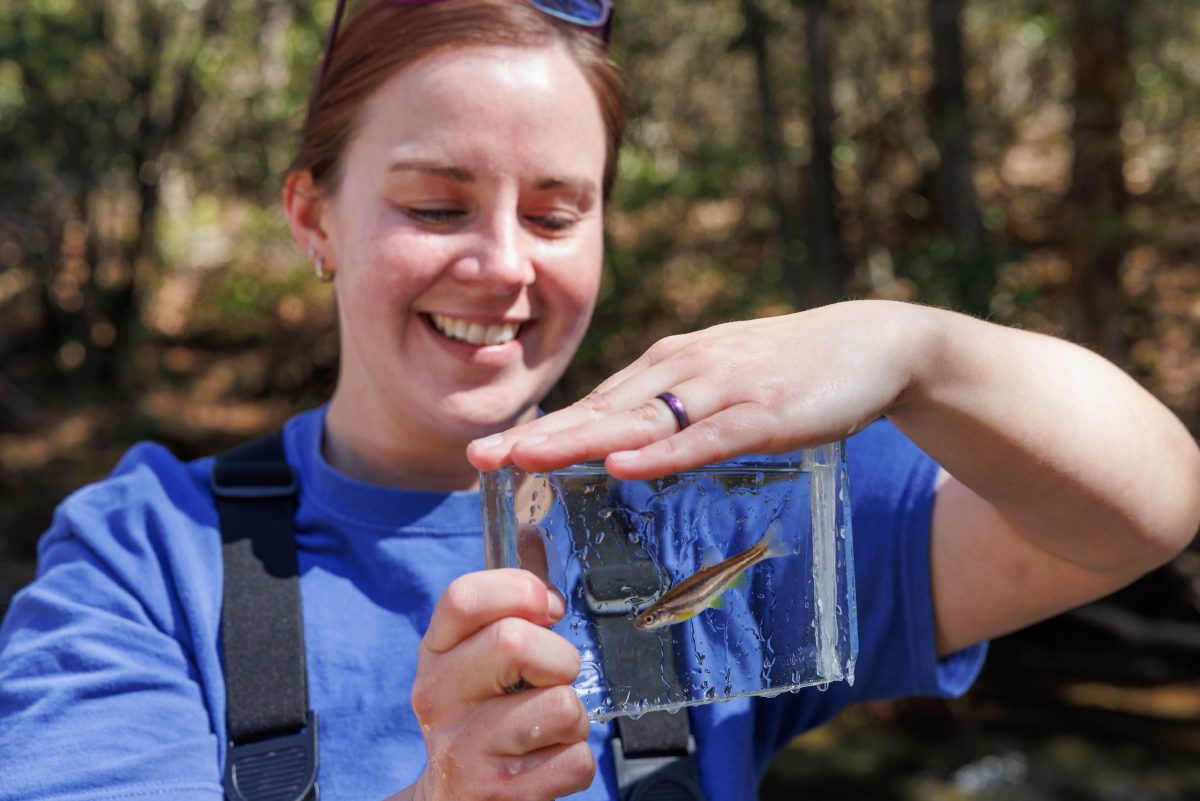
[
  {"x": 784, "y": 212},
  {"x": 1097, "y": 235},
  {"x": 955, "y": 205},
  {"x": 822, "y": 281}
]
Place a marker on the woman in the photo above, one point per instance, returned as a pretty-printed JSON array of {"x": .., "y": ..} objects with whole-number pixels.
[{"x": 452, "y": 177}]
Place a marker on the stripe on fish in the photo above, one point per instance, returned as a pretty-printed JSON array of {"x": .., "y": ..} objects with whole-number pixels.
[{"x": 704, "y": 588}]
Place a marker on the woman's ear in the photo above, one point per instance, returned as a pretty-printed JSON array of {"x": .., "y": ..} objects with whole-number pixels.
[{"x": 305, "y": 207}]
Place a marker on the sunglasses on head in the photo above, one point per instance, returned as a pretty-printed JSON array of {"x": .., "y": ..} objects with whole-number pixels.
[{"x": 592, "y": 15}]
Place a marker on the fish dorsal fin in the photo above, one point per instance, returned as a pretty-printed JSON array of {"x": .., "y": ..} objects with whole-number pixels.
[{"x": 711, "y": 557}]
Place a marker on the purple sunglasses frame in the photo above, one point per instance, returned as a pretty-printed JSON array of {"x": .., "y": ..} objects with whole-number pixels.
[{"x": 603, "y": 28}]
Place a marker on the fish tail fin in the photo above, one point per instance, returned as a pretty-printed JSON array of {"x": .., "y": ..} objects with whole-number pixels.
[
  {"x": 772, "y": 541},
  {"x": 711, "y": 557}
]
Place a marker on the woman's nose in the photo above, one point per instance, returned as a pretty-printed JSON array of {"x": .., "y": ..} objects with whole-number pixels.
[{"x": 501, "y": 257}]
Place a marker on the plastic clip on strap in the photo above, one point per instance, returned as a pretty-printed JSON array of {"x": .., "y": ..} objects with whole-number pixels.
[
  {"x": 655, "y": 755},
  {"x": 272, "y": 748}
]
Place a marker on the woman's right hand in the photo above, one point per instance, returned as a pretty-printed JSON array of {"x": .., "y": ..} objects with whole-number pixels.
[{"x": 489, "y": 632}]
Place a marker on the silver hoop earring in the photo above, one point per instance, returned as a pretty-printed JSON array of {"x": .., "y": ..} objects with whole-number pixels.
[{"x": 318, "y": 259}]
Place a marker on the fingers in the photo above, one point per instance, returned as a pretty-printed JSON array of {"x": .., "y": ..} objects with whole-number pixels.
[
  {"x": 536, "y": 719},
  {"x": 502, "y": 654},
  {"x": 476, "y": 600},
  {"x": 492, "y": 453},
  {"x": 731, "y": 432},
  {"x": 654, "y": 372},
  {"x": 639, "y": 418},
  {"x": 541, "y": 741},
  {"x": 627, "y": 416},
  {"x": 488, "y": 633},
  {"x": 551, "y": 772},
  {"x": 532, "y": 745}
]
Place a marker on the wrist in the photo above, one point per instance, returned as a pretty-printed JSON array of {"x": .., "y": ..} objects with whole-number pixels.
[{"x": 922, "y": 353}]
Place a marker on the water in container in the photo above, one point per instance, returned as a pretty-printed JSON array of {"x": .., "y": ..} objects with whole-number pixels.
[{"x": 725, "y": 581}]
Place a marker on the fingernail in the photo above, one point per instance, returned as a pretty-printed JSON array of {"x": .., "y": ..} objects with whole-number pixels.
[
  {"x": 527, "y": 441},
  {"x": 555, "y": 603},
  {"x": 488, "y": 443},
  {"x": 624, "y": 456}
]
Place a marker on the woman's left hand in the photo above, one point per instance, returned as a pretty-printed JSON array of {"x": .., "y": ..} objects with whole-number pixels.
[
  {"x": 1034, "y": 514},
  {"x": 758, "y": 386}
]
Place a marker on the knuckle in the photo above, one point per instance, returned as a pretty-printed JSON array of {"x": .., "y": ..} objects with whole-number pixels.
[
  {"x": 648, "y": 414},
  {"x": 564, "y": 709},
  {"x": 511, "y": 637},
  {"x": 660, "y": 349},
  {"x": 424, "y": 700},
  {"x": 531, "y": 592},
  {"x": 597, "y": 403},
  {"x": 460, "y": 598},
  {"x": 709, "y": 433},
  {"x": 667, "y": 346},
  {"x": 579, "y": 765}
]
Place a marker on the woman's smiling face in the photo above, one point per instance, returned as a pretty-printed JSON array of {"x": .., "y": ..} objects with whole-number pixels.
[{"x": 466, "y": 234}]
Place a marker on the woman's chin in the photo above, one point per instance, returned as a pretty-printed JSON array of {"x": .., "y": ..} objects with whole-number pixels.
[{"x": 487, "y": 409}]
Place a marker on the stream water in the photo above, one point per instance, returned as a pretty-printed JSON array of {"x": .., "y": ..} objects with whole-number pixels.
[{"x": 859, "y": 758}]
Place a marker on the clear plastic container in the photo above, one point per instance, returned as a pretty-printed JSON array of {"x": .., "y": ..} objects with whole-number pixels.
[{"x": 616, "y": 549}]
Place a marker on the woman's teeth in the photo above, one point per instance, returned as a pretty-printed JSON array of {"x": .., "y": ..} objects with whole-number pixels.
[{"x": 475, "y": 333}]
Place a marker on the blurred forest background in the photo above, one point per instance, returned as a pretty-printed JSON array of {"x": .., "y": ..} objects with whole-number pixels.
[{"x": 1035, "y": 162}]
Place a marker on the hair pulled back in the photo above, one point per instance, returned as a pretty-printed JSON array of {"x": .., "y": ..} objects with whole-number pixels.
[{"x": 381, "y": 38}]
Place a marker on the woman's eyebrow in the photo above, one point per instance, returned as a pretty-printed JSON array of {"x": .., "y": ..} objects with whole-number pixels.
[
  {"x": 433, "y": 168},
  {"x": 582, "y": 186}
]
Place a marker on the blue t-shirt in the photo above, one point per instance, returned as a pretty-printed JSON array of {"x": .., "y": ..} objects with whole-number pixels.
[{"x": 111, "y": 684}]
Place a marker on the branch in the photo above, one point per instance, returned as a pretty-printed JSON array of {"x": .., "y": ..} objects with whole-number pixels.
[{"x": 1139, "y": 632}]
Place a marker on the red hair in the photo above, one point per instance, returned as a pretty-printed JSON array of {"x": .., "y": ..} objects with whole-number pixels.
[{"x": 381, "y": 38}]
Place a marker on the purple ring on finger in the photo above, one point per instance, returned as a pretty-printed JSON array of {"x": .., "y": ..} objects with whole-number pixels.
[{"x": 676, "y": 406}]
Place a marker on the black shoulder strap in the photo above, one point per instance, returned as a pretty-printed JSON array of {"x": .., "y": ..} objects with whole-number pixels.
[
  {"x": 272, "y": 749},
  {"x": 655, "y": 755}
]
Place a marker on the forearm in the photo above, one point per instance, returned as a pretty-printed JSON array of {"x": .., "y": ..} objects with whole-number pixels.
[{"x": 1072, "y": 452}]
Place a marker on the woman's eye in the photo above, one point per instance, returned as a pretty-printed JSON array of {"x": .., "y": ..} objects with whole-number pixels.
[
  {"x": 435, "y": 214},
  {"x": 554, "y": 223}
]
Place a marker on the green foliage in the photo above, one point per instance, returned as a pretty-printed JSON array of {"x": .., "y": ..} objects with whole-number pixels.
[{"x": 90, "y": 90}]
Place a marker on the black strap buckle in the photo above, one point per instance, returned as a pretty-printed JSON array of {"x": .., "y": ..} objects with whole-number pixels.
[
  {"x": 657, "y": 777},
  {"x": 280, "y": 768}
]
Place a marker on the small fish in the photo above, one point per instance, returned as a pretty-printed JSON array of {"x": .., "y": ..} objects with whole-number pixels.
[{"x": 704, "y": 588}]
